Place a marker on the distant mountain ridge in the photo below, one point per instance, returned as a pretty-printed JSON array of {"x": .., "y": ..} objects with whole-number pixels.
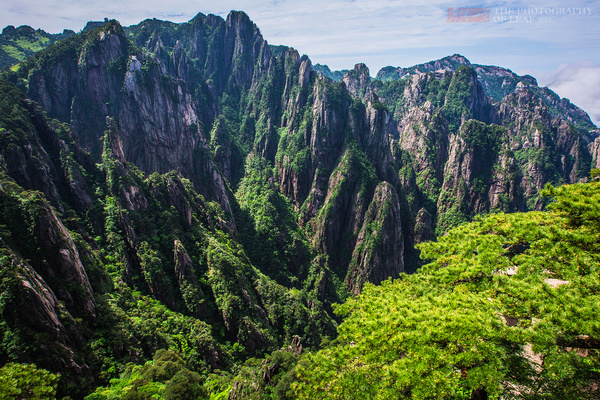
[
  {"x": 497, "y": 82},
  {"x": 16, "y": 44}
]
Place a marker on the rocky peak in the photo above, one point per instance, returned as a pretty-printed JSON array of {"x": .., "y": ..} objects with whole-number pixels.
[
  {"x": 358, "y": 81},
  {"x": 457, "y": 58},
  {"x": 245, "y": 48},
  {"x": 450, "y": 63},
  {"x": 497, "y": 82},
  {"x": 9, "y": 30}
]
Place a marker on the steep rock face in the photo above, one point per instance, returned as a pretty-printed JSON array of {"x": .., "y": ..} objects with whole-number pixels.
[
  {"x": 376, "y": 136},
  {"x": 37, "y": 159},
  {"x": 86, "y": 68},
  {"x": 546, "y": 148},
  {"x": 423, "y": 133},
  {"x": 99, "y": 82},
  {"x": 63, "y": 260},
  {"x": 41, "y": 305},
  {"x": 30, "y": 166},
  {"x": 247, "y": 54},
  {"x": 351, "y": 140},
  {"x": 158, "y": 121},
  {"x": 330, "y": 152},
  {"x": 54, "y": 86},
  {"x": 506, "y": 192},
  {"x": 97, "y": 75},
  {"x": 189, "y": 289},
  {"x": 44, "y": 285},
  {"x": 156, "y": 113},
  {"x": 322, "y": 142},
  {"x": 143, "y": 266},
  {"x": 209, "y": 53},
  {"x": 338, "y": 222},
  {"x": 222, "y": 149},
  {"x": 35, "y": 309},
  {"x": 454, "y": 167},
  {"x": 358, "y": 81},
  {"x": 375, "y": 129},
  {"x": 477, "y": 102},
  {"x": 378, "y": 253},
  {"x": 160, "y": 131},
  {"x": 468, "y": 172},
  {"x": 497, "y": 82},
  {"x": 43, "y": 156},
  {"x": 432, "y": 110},
  {"x": 424, "y": 228},
  {"x": 594, "y": 150}
]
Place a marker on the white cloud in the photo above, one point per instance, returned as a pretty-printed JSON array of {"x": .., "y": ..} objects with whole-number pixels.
[{"x": 580, "y": 83}]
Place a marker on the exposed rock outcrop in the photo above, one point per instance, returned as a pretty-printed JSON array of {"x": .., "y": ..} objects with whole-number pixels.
[
  {"x": 189, "y": 288},
  {"x": 379, "y": 251},
  {"x": 63, "y": 262}
]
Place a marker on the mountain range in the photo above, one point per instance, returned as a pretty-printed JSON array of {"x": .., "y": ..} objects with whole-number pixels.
[{"x": 189, "y": 186}]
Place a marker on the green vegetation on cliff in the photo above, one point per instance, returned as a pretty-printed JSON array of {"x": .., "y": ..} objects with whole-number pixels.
[
  {"x": 506, "y": 307},
  {"x": 16, "y": 44}
]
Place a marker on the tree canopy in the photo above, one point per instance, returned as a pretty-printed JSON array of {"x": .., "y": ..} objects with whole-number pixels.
[{"x": 507, "y": 306}]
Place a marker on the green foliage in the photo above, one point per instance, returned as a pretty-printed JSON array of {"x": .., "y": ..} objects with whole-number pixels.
[
  {"x": 131, "y": 326},
  {"x": 293, "y": 152},
  {"x": 485, "y": 140},
  {"x": 225, "y": 145},
  {"x": 459, "y": 90},
  {"x": 268, "y": 226},
  {"x": 14, "y": 119},
  {"x": 18, "y": 44},
  {"x": 335, "y": 95},
  {"x": 391, "y": 93},
  {"x": 456, "y": 201},
  {"x": 269, "y": 378},
  {"x": 26, "y": 381},
  {"x": 163, "y": 378},
  {"x": 64, "y": 51},
  {"x": 231, "y": 280},
  {"x": 294, "y": 312},
  {"x": 326, "y": 71},
  {"x": 507, "y": 306}
]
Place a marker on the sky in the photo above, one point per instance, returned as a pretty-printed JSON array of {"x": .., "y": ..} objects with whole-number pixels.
[{"x": 557, "y": 42}]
